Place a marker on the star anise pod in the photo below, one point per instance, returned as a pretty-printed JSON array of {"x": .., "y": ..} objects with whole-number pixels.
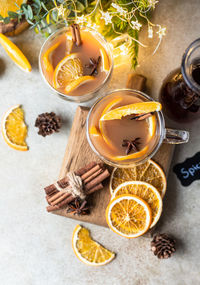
[
  {"x": 78, "y": 207},
  {"x": 93, "y": 65},
  {"x": 131, "y": 145}
]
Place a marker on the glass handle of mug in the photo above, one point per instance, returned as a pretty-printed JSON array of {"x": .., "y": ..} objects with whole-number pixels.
[{"x": 176, "y": 136}]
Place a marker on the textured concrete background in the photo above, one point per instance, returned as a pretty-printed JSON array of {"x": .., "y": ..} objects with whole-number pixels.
[{"x": 35, "y": 247}]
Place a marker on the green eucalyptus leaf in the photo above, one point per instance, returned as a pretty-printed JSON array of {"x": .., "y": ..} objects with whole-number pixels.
[
  {"x": 12, "y": 15},
  {"x": 80, "y": 7},
  {"x": 6, "y": 20},
  {"x": 30, "y": 12}
]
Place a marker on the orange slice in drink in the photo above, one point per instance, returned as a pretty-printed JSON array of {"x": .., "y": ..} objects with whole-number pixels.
[
  {"x": 94, "y": 131},
  {"x": 133, "y": 155},
  {"x": 12, "y": 6},
  {"x": 15, "y": 53},
  {"x": 46, "y": 57},
  {"x": 106, "y": 109},
  {"x": 78, "y": 82},
  {"x": 136, "y": 108},
  {"x": 129, "y": 216},
  {"x": 14, "y": 129},
  {"x": 145, "y": 191},
  {"x": 68, "y": 69},
  {"x": 149, "y": 172},
  {"x": 104, "y": 60},
  {"x": 89, "y": 251}
]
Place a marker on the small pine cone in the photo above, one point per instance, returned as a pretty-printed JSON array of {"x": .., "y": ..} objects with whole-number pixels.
[
  {"x": 163, "y": 246},
  {"x": 48, "y": 123}
]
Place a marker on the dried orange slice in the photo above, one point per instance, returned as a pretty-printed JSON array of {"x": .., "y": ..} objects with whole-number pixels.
[
  {"x": 14, "y": 129},
  {"x": 104, "y": 59},
  {"x": 89, "y": 251},
  {"x": 68, "y": 69},
  {"x": 78, "y": 82},
  {"x": 12, "y": 6},
  {"x": 129, "y": 216},
  {"x": 15, "y": 53},
  {"x": 136, "y": 108},
  {"x": 149, "y": 172},
  {"x": 46, "y": 57},
  {"x": 145, "y": 191}
]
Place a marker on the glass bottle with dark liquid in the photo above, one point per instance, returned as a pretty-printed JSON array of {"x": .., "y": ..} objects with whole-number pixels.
[{"x": 180, "y": 92}]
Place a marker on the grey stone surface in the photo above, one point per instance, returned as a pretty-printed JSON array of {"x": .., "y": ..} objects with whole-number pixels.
[{"x": 35, "y": 247}]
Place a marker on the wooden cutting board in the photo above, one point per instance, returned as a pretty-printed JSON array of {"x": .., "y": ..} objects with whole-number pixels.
[{"x": 78, "y": 154}]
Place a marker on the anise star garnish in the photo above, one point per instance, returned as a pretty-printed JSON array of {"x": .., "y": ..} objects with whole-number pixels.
[
  {"x": 78, "y": 207},
  {"x": 93, "y": 65},
  {"x": 131, "y": 145}
]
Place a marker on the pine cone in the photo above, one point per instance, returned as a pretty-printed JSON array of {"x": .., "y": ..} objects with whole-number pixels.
[
  {"x": 48, "y": 123},
  {"x": 163, "y": 246}
]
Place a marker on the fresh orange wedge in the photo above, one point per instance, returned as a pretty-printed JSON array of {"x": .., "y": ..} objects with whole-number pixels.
[
  {"x": 89, "y": 251},
  {"x": 145, "y": 191},
  {"x": 68, "y": 69},
  {"x": 104, "y": 59},
  {"x": 14, "y": 129},
  {"x": 15, "y": 53},
  {"x": 129, "y": 216},
  {"x": 136, "y": 108},
  {"x": 46, "y": 57},
  {"x": 78, "y": 82},
  {"x": 149, "y": 172},
  {"x": 7, "y": 5}
]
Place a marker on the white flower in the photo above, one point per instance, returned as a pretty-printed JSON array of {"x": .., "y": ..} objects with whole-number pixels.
[
  {"x": 119, "y": 9},
  {"x": 107, "y": 17},
  {"x": 80, "y": 19},
  {"x": 152, "y": 3},
  {"x": 161, "y": 32},
  {"x": 136, "y": 25},
  {"x": 150, "y": 32},
  {"x": 61, "y": 10}
]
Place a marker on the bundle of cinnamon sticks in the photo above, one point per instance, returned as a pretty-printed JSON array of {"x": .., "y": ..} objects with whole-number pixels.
[{"x": 92, "y": 176}]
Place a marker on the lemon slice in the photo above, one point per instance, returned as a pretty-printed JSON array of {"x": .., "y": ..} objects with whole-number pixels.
[
  {"x": 149, "y": 172},
  {"x": 136, "y": 108},
  {"x": 89, "y": 251},
  {"x": 129, "y": 216},
  {"x": 14, "y": 129},
  {"x": 145, "y": 191},
  {"x": 78, "y": 82},
  {"x": 68, "y": 69},
  {"x": 105, "y": 60},
  {"x": 15, "y": 53}
]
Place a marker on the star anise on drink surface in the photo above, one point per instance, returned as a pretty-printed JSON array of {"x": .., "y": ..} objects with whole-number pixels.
[
  {"x": 131, "y": 145},
  {"x": 93, "y": 65},
  {"x": 78, "y": 207}
]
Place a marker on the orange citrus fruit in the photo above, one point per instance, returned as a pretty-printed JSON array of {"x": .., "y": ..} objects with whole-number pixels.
[
  {"x": 129, "y": 216},
  {"x": 78, "y": 82},
  {"x": 145, "y": 191},
  {"x": 7, "y": 5},
  {"x": 104, "y": 60},
  {"x": 134, "y": 155},
  {"x": 149, "y": 172},
  {"x": 15, "y": 53},
  {"x": 68, "y": 69},
  {"x": 46, "y": 57},
  {"x": 89, "y": 251},
  {"x": 136, "y": 108},
  {"x": 94, "y": 131},
  {"x": 14, "y": 129}
]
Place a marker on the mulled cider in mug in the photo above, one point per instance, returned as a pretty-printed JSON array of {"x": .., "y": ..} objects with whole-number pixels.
[
  {"x": 76, "y": 62},
  {"x": 126, "y": 127}
]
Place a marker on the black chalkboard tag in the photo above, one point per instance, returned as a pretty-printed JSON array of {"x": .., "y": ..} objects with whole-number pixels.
[{"x": 189, "y": 170}]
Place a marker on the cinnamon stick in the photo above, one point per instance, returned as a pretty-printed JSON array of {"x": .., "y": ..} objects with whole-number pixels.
[
  {"x": 97, "y": 180},
  {"x": 83, "y": 170},
  {"x": 78, "y": 35}
]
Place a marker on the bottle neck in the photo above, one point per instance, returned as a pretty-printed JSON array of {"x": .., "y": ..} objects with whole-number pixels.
[{"x": 191, "y": 61}]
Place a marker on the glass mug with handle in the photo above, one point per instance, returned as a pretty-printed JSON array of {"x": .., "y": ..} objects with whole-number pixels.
[{"x": 133, "y": 139}]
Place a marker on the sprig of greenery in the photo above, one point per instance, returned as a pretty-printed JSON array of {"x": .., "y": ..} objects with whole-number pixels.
[{"x": 122, "y": 17}]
